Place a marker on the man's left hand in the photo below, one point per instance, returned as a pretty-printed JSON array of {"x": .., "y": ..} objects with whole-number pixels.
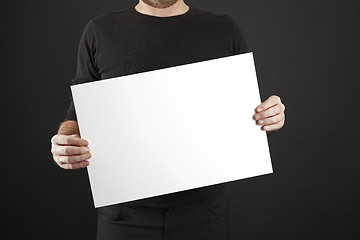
[{"x": 270, "y": 114}]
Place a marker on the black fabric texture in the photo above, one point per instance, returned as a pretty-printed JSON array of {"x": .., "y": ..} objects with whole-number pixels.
[
  {"x": 128, "y": 42},
  {"x": 205, "y": 221}
]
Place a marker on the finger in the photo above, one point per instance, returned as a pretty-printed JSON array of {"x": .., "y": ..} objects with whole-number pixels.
[
  {"x": 271, "y": 120},
  {"x": 273, "y": 127},
  {"x": 73, "y": 159},
  {"x": 56, "y": 159},
  {"x": 73, "y": 140},
  {"x": 271, "y": 101},
  {"x": 272, "y": 111},
  {"x": 75, "y": 165},
  {"x": 71, "y": 150}
]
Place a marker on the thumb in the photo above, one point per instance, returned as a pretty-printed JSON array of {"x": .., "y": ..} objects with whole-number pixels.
[{"x": 75, "y": 135}]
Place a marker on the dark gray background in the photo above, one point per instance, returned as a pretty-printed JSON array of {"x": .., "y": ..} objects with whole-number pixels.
[{"x": 307, "y": 52}]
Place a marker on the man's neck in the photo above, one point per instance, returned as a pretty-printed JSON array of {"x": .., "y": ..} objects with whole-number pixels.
[{"x": 177, "y": 9}]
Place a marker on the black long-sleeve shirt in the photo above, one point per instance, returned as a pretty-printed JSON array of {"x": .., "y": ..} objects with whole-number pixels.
[{"x": 128, "y": 42}]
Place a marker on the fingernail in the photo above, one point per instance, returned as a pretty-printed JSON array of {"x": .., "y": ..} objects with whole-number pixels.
[
  {"x": 259, "y": 109},
  {"x": 257, "y": 117},
  {"x": 260, "y": 122},
  {"x": 87, "y": 150}
]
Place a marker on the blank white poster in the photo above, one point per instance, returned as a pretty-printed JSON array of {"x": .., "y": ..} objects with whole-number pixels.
[{"x": 172, "y": 129}]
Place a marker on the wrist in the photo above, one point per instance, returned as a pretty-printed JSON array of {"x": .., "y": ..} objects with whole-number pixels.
[{"x": 69, "y": 127}]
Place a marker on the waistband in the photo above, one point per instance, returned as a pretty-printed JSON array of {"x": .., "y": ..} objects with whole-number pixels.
[{"x": 184, "y": 198}]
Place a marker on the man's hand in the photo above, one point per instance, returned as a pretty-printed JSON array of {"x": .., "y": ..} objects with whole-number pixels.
[
  {"x": 270, "y": 114},
  {"x": 70, "y": 152}
]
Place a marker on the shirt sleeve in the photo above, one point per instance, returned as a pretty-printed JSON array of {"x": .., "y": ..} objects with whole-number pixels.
[
  {"x": 239, "y": 41},
  {"x": 87, "y": 69}
]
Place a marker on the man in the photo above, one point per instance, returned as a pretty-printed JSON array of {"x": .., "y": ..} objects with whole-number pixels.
[{"x": 152, "y": 35}]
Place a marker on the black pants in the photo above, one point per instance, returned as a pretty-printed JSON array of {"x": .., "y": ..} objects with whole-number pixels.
[{"x": 203, "y": 221}]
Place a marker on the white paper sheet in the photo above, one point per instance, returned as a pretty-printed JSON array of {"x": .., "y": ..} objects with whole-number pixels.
[{"x": 172, "y": 129}]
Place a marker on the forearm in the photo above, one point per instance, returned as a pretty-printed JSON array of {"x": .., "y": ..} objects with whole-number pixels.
[{"x": 69, "y": 127}]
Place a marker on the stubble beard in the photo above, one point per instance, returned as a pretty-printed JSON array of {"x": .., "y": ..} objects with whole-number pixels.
[{"x": 160, "y": 3}]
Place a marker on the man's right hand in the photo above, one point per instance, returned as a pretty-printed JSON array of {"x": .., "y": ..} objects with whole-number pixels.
[{"x": 70, "y": 152}]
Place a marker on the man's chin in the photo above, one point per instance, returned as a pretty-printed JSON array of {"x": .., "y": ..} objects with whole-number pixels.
[{"x": 160, "y": 3}]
